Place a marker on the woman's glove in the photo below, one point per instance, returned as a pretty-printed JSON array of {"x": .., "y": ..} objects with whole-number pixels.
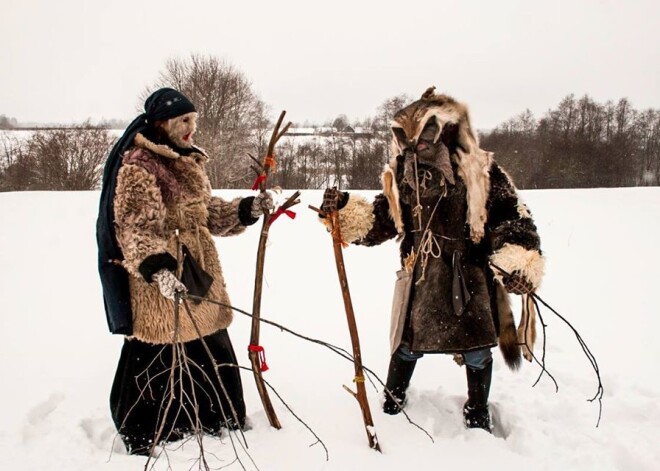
[
  {"x": 168, "y": 284},
  {"x": 516, "y": 283},
  {"x": 261, "y": 201}
]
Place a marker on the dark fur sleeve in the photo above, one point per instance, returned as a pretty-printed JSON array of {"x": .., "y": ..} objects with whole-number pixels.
[
  {"x": 509, "y": 220},
  {"x": 515, "y": 244},
  {"x": 383, "y": 228}
]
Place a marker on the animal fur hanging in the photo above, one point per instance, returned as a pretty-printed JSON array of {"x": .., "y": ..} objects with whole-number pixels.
[{"x": 473, "y": 162}]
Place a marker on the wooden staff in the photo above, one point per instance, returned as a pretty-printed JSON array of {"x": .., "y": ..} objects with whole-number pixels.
[
  {"x": 254, "y": 349},
  {"x": 361, "y": 395}
]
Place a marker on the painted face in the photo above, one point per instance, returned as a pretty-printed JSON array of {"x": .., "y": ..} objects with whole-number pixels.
[{"x": 180, "y": 130}]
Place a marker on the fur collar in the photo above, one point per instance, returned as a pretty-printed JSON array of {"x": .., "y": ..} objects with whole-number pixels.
[{"x": 166, "y": 151}]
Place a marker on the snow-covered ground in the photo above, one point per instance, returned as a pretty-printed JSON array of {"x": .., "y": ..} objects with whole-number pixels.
[{"x": 58, "y": 359}]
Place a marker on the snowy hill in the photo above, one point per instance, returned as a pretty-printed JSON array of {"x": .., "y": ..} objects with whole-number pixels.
[{"x": 602, "y": 274}]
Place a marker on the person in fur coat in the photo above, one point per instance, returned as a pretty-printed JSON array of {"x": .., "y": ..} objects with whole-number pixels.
[
  {"x": 156, "y": 221},
  {"x": 458, "y": 217}
]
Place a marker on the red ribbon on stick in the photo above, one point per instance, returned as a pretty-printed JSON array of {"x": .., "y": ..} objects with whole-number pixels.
[
  {"x": 262, "y": 356},
  {"x": 260, "y": 179},
  {"x": 281, "y": 211}
]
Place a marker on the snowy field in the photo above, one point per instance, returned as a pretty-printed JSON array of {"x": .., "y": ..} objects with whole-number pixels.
[{"x": 603, "y": 264}]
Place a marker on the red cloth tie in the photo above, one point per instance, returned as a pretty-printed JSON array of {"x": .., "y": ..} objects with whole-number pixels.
[
  {"x": 262, "y": 356},
  {"x": 281, "y": 211},
  {"x": 258, "y": 181}
]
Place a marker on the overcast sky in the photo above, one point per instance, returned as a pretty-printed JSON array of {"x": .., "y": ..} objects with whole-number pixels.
[{"x": 65, "y": 61}]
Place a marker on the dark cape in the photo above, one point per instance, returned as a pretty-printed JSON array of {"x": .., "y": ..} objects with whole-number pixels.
[{"x": 114, "y": 277}]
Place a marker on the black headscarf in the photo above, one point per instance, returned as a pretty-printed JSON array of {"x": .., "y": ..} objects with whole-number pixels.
[{"x": 163, "y": 104}]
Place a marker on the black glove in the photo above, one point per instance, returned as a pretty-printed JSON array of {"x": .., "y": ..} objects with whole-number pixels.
[
  {"x": 516, "y": 283},
  {"x": 333, "y": 200}
]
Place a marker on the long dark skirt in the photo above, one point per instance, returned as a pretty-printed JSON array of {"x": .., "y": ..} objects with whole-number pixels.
[{"x": 142, "y": 390}]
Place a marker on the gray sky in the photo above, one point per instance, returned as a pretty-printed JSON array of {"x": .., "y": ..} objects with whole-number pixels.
[{"x": 65, "y": 61}]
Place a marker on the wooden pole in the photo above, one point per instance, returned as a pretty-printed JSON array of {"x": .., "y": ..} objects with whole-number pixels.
[
  {"x": 253, "y": 353},
  {"x": 361, "y": 395}
]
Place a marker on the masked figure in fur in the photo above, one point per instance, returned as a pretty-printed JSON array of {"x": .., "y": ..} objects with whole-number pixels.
[
  {"x": 457, "y": 215},
  {"x": 155, "y": 226}
]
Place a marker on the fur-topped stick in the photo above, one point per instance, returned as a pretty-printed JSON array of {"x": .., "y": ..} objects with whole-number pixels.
[
  {"x": 254, "y": 349},
  {"x": 361, "y": 394}
]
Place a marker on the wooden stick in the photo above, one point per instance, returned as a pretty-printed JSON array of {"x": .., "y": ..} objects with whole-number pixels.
[
  {"x": 361, "y": 394},
  {"x": 259, "y": 275}
]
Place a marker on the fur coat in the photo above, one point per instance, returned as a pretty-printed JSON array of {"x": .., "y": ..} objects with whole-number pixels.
[{"x": 163, "y": 202}]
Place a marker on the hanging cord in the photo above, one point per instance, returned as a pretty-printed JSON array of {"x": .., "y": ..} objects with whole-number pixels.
[
  {"x": 417, "y": 210},
  {"x": 427, "y": 176},
  {"x": 429, "y": 244},
  {"x": 592, "y": 359}
]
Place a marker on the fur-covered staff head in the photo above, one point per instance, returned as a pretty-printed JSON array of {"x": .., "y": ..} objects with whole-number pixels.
[{"x": 168, "y": 115}]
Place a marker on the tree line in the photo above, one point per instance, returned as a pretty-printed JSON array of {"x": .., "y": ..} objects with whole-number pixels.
[{"x": 581, "y": 143}]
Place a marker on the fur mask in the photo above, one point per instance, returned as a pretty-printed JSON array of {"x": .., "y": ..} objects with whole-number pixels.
[
  {"x": 180, "y": 130},
  {"x": 430, "y": 152}
]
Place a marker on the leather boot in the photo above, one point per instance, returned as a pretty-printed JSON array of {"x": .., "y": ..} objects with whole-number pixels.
[
  {"x": 398, "y": 379},
  {"x": 475, "y": 410}
]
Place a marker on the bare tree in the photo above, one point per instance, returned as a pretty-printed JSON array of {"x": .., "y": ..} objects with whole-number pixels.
[
  {"x": 581, "y": 143},
  {"x": 648, "y": 130},
  {"x": 231, "y": 117},
  {"x": 386, "y": 112},
  {"x": 16, "y": 164},
  {"x": 56, "y": 159}
]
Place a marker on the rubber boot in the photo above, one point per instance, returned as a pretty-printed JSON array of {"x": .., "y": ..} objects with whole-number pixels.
[
  {"x": 398, "y": 379},
  {"x": 475, "y": 410}
]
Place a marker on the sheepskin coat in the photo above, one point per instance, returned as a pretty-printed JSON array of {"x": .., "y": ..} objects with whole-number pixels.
[
  {"x": 163, "y": 202},
  {"x": 452, "y": 258}
]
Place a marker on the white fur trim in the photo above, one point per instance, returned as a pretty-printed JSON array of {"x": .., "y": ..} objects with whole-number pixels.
[
  {"x": 355, "y": 219},
  {"x": 523, "y": 211},
  {"x": 514, "y": 257}
]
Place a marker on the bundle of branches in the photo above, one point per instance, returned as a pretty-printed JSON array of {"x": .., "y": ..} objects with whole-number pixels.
[{"x": 526, "y": 339}]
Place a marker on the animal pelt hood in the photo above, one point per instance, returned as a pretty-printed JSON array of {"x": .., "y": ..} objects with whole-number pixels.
[{"x": 473, "y": 163}]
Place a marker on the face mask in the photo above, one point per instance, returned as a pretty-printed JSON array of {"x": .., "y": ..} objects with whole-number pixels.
[{"x": 180, "y": 130}]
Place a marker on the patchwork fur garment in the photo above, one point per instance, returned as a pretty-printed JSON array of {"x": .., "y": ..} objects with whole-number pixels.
[
  {"x": 160, "y": 191},
  {"x": 504, "y": 234}
]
